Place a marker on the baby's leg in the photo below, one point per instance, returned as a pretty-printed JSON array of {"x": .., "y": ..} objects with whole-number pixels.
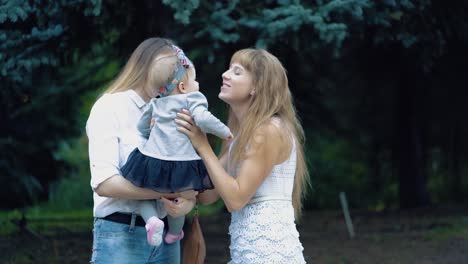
[
  {"x": 154, "y": 226},
  {"x": 147, "y": 209},
  {"x": 175, "y": 232}
]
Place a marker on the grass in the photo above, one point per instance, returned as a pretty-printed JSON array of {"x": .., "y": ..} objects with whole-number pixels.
[
  {"x": 458, "y": 228},
  {"x": 439, "y": 239},
  {"x": 47, "y": 219}
]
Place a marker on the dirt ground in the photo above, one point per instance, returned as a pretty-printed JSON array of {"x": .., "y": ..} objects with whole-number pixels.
[{"x": 424, "y": 236}]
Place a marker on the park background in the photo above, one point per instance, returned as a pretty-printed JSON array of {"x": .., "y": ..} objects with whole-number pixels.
[{"x": 380, "y": 87}]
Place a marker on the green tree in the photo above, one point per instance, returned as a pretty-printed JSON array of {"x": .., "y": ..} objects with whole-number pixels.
[
  {"x": 378, "y": 84},
  {"x": 37, "y": 102}
]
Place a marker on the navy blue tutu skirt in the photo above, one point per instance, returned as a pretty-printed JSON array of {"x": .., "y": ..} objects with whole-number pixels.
[{"x": 166, "y": 176}]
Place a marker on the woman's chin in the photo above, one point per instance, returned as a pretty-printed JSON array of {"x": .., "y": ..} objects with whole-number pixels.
[{"x": 222, "y": 96}]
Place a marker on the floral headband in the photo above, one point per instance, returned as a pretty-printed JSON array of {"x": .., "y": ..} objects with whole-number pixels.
[{"x": 179, "y": 72}]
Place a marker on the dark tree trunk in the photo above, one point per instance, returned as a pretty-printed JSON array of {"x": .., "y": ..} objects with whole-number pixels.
[
  {"x": 376, "y": 179},
  {"x": 455, "y": 80},
  {"x": 454, "y": 163},
  {"x": 410, "y": 151},
  {"x": 454, "y": 151}
]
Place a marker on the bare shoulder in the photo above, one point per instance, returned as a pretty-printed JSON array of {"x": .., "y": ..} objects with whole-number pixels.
[
  {"x": 273, "y": 129},
  {"x": 274, "y": 138}
]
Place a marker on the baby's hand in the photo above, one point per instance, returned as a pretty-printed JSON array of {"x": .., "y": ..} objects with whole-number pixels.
[
  {"x": 229, "y": 138},
  {"x": 152, "y": 123}
]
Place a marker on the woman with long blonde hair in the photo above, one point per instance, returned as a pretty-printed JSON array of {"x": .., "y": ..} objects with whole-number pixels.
[
  {"x": 119, "y": 234},
  {"x": 261, "y": 176}
]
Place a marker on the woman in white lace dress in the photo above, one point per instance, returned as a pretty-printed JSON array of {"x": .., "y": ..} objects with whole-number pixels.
[{"x": 261, "y": 174}]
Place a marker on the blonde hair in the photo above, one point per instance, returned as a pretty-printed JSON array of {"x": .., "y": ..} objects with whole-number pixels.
[
  {"x": 272, "y": 98},
  {"x": 152, "y": 63}
]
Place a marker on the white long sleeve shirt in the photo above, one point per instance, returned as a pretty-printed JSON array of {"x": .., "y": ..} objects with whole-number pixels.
[{"x": 113, "y": 135}]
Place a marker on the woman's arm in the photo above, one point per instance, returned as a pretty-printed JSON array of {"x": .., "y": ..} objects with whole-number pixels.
[
  {"x": 118, "y": 187},
  {"x": 259, "y": 161},
  {"x": 211, "y": 196},
  {"x": 236, "y": 192},
  {"x": 208, "y": 197},
  {"x": 102, "y": 129}
]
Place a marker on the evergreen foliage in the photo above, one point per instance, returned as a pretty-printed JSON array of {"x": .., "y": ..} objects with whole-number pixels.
[
  {"x": 37, "y": 103},
  {"x": 182, "y": 9},
  {"x": 379, "y": 86}
]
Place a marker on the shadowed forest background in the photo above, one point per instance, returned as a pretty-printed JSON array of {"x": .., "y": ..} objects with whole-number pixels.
[{"x": 380, "y": 87}]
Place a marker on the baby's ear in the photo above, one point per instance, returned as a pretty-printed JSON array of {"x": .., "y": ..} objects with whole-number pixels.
[{"x": 181, "y": 87}]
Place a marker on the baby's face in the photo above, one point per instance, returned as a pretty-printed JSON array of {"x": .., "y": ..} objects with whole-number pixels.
[{"x": 192, "y": 84}]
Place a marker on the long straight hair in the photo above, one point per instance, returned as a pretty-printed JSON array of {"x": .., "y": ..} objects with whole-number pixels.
[
  {"x": 139, "y": 69},
  {"x": 272, "y": 98}
]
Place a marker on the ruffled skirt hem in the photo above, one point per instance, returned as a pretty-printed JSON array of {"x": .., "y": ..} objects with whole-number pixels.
[{"x": 166, "y": 176}]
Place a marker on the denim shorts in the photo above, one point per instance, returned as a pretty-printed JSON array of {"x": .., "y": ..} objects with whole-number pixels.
[{"x": 124, "y": 243}]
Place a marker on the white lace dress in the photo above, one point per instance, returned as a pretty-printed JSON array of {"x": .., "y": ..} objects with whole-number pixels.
[{"x": 264, "y": 230}]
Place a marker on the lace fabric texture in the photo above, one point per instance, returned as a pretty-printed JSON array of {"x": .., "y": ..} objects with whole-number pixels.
[{"x": 265, "y": 232}]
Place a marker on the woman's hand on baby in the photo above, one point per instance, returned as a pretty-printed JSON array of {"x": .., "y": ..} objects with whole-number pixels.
[
  {"x": 179, "y": 206},
  {"x": 190, "y": 194},
  {"x": 186, "y": 125}
]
